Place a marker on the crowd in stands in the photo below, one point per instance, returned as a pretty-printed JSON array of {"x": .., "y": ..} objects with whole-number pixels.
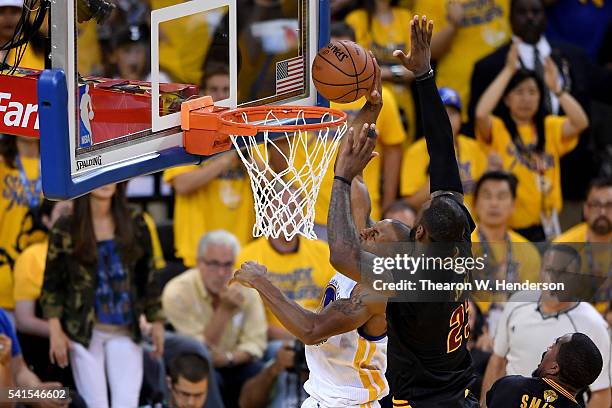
[{"x": 89, "y": 301}]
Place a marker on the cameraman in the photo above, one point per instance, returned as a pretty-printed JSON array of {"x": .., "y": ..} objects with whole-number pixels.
[{"x": 281, "y": 382}]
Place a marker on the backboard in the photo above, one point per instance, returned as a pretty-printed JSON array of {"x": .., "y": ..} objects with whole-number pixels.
[{"x": 110, "y": 106}]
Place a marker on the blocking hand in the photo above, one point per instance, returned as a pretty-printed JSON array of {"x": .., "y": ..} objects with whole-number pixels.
[{"x": 418, "y": 59}]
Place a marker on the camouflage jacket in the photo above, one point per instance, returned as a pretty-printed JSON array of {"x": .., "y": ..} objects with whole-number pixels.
[{"x": 69, "y": 287}]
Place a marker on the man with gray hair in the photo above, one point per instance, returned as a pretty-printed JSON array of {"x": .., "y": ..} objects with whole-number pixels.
[{"x": 230, "y": 321}]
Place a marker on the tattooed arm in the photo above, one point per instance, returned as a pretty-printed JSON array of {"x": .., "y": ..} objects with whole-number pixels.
[
  {"x": 353, "y": 156},
  {"x": 361, "y": 205},
  {"x": 338, "y": 317},
  {"x": 346, "y": 255}
]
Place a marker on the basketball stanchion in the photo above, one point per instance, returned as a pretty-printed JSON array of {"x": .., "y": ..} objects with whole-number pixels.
[{"x": 284, "y": 192}]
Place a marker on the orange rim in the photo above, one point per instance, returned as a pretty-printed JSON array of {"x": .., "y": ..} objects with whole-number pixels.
[{"x": 232, "y": 119}]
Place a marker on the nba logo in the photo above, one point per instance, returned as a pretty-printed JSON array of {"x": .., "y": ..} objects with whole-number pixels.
[{"x": 85, "y": 117}]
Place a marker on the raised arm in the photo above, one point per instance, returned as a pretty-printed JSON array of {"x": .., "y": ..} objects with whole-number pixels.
[
  {"x": 374, "y": 103},
  {"x": 345, "y": 252},
  {"x": 361, "y": 205},
  {"x": 354, "y": 154},
  {"x": 444, "y": 173},
  {"x": 340, "y": 316},
  {"x": 491, "y": 97},
  {"x": 577, "y": 119}
]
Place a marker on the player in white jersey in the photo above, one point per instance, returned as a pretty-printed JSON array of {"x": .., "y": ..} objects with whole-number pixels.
[
  {"x": 348, "y": 368},
  {"x": 346, "y": 341}
]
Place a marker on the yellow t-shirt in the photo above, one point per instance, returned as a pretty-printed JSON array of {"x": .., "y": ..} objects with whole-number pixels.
[
  {"x": 180, "y": 55},
  {"x": 29, "y": 272},
  {"x": 525, "y": 260},
  {"x": 578, "y": 233},
  {"x": 301, "y": 276},
  {"x": 29, "y": 59},
  {"x": 595, "y": 260},
  {"x": 382, "y": 40},
  {"x": 224, "y": 203},
  {"x": 13, "y": 210},
  {"x": 486, "y": 26},
  {"x": 88, "y": 52},
  {"x": 390, "y": 132},
  {"x": 533, "y": 193},
  {"x": 471, "y": 159}
]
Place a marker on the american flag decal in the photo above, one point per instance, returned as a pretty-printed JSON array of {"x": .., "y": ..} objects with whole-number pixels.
[{"x": 290, "y": 75}]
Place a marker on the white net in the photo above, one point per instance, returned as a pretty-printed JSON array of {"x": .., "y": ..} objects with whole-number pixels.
[{"x": 286, "y": 169}]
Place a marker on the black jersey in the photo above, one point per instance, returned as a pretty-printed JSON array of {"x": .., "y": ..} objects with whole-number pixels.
[
  {"x": 516, "y": 391},
  {"x": 428, "y": 362},
  {"x": 429, "y": 365}
]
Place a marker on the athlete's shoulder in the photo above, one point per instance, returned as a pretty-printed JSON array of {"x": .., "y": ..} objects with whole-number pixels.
[
  {"x": 507, "y": 390},
  {"x": 514, "y": 381}
]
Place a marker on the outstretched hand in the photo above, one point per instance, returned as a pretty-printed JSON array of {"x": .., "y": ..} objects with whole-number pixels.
[
  {"x": 356, "y": 152},
  {"x": 418, "y": 59}
]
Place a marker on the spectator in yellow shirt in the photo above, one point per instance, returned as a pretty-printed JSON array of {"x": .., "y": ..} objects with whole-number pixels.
[
  {"x": 597, "y": 210},
  {"x": 465, "y": 31},
  {"x": 596, "y": 235},
  {"x": 213, "y": 195},
  {"x": 529, "y": 142},
  {"x": 382, "y": 27},
  {"x": 21, "y": 193},
  {"x": 509, "y": 256},
  {"x": 300, "y": 268},
  {"x": 229, "y": 320},
  {"x": 415, "y": 163}
]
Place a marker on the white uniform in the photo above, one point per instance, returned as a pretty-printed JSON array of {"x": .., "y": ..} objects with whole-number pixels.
[{"x": 347, "y": 370}]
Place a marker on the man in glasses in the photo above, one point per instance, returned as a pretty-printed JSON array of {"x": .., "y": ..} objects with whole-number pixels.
[
  {"x": 230, "y": 321},
  {"x": 593, "y": 237},
  {"x": 597, "y": 225}
]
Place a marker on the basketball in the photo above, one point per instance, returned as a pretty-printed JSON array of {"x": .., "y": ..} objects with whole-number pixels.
[{"x": 343, "y": 71}]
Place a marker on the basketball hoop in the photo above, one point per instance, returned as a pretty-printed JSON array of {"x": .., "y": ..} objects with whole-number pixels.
[{"x": 284, "y": 192}]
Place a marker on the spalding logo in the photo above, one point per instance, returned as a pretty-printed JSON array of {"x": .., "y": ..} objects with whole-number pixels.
[{"x": 338, "y": 53}]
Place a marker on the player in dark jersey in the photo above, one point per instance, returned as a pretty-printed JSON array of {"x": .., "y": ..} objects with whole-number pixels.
[
  {"x": 568, "y": 366},
  {"x": 428, "y": 362}
]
